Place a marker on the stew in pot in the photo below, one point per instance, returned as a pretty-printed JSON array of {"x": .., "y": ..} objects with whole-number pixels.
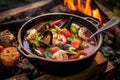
[{"x": 57, "y": 41}]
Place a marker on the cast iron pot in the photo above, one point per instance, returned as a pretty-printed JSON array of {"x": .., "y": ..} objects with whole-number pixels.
[{"x": 54, "y": 66}]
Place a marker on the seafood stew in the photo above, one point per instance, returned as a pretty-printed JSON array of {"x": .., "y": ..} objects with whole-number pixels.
[{"x": 59, "y": 40}]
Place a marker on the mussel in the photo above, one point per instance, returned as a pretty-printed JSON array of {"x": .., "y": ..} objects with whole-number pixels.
[
  {"x": 67, "y": 23},
  {"x": 44, "y": 27},
  {"x": 47, "y": 26},
  {"x": 46, "y": 40}
]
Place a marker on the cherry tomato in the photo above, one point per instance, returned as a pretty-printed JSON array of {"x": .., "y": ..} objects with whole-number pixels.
[
  {"x": 54, "y": 49},
  {"x": 66, "y": 32},
  {"x": 76, "y": 43}
]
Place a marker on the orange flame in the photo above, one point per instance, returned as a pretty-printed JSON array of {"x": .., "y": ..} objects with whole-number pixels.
[
  {"x": 70, "y": 4},
  {"x": 85, "y": 8}
]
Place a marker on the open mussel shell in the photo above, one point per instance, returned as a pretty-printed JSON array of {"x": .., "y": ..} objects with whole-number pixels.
[
  {"x": 44, "y": 27},
  {"x": 67, "y": 23},
  {"x": 47, "y": 39},
  {"x": 43, "y": 44}
]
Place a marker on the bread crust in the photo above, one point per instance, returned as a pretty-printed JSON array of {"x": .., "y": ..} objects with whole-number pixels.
[{"x": 9, "y": 56}]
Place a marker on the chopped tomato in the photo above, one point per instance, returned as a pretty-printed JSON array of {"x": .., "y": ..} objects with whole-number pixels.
[
  {"x": 82, "y": 52},
  {"x": 76, "y": 43},
  {"x": 54, "y": 49},
  {"x": 1, "y": 48},
  {"x": 74, "y": 56},
  {"x": 66, "y": 32}
]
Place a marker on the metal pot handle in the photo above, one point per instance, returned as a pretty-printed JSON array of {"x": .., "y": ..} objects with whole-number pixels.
[
  {"x": 92, "y": 21},
  {"x": 26, "y": 53}
]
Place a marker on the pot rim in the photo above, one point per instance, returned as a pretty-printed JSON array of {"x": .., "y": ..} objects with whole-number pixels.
[{"x": 70, "y": 60}]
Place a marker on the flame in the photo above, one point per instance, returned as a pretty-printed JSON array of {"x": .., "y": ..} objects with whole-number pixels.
[
  {"x": 85, "y": 8},
  {"x": 70, "y": 4},
  {"x": 96, "y": 14}
]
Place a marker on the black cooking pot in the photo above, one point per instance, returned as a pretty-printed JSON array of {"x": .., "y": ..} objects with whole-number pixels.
[{"x": 55, "y": 66}]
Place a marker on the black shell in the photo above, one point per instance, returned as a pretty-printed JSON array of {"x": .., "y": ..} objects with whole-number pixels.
[
  {"x": 47, "y": 39},
  {"x": 67, "y": 23},
  {"x": 44, "y": 27}
]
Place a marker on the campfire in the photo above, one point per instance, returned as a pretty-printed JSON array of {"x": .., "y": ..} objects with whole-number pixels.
[{"x": 84, "y": 7}]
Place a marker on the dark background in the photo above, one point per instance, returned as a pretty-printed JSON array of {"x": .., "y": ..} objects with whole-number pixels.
[{"x": 113, "y": 5}]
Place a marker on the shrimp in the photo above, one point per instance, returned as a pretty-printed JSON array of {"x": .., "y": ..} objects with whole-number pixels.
[
  {"x": 82, "y": 32},
  {"x": 60, "y": 55},
  {"x": 58, "y": 39}
]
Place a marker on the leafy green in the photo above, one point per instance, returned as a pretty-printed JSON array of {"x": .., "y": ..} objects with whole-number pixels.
[{"x": 48, "y": 53}]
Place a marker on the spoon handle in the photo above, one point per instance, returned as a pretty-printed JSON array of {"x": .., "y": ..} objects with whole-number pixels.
[{"x": 111, "y": 23}]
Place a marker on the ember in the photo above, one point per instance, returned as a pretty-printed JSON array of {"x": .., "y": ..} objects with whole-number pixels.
[{"x": 84, "y": 7}]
